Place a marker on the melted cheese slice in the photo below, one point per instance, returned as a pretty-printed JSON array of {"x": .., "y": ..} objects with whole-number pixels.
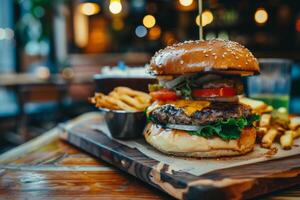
[{"x": 188, "y": 106}]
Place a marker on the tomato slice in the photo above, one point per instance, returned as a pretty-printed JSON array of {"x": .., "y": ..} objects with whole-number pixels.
[
  {"x": 214, "y": 92},
  {"x": 164, "y": 95}
]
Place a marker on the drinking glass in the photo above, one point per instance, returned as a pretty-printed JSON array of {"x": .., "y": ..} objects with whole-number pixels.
[{"x": 273, "y": 84}]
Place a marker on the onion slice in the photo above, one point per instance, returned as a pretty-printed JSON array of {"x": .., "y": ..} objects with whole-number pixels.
[
  {"x": 183, "y": 127},
  {"x": 171, "y": 84}
]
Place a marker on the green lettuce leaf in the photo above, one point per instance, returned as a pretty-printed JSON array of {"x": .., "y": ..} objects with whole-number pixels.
[
  {"x": 184, "y": 89},
  {"x": 226, "y": 129},
  {"x": 148, "y": 119},
  {"x": 206, "y": 131}
]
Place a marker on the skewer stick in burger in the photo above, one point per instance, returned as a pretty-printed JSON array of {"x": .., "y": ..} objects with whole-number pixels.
[{"x": 196, "y": 112}]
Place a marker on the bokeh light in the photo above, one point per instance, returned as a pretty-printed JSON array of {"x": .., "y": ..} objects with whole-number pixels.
[
  {"x": 115, "y": 6},
  {"x": 39, "y": 11},
  {"x": 68, "y": 73},
  {"x": 223, "y": 35},
  {"x": 2, "y": 33},
  {"x": 154, "y": 33},
  {"x": 298, "y": 25},
  {"x": 6, "y": 34},
  {"x": 141, "y": 31},
  {"x": 81, "y": 28},
  {"x": 186, "y": 2},
  {"x": 42, "y": 72},
  {"x": 149, "y": 21},
  {"x": 210, "y": 35},
  {"x": 89, "y": 8},
  {"x": 138, "y": 4},
  {"x": 261, "y": 16},
  {"x": 207, "y": 18},
  {"x": 9, "y": 33}
]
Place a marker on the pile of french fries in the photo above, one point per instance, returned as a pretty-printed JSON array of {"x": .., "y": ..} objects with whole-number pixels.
[
  {"x": 122, "y": 98},
  {"x": 269, "y": 131}
]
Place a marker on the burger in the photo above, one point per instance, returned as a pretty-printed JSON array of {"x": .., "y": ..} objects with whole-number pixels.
[{"x": 196, "y": 111}]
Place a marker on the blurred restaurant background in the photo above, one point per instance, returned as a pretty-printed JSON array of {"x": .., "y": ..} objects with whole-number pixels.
[{"x": 51, "y": 49}]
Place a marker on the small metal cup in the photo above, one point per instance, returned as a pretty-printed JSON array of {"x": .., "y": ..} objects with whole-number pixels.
[{"x": 124, "y": 124}]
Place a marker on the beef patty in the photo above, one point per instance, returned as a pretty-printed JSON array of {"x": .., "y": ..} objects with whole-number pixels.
[{"x": 169, "y": 114}]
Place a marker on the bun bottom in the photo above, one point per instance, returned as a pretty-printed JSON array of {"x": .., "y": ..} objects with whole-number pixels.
[{"x": 180, "y": 143}]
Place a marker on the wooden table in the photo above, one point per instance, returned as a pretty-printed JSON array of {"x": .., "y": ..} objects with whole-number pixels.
[{"x": 47, "y": 167}]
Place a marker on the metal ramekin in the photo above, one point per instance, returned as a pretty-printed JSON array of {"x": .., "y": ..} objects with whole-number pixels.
[{"x": 124, "y": 124}]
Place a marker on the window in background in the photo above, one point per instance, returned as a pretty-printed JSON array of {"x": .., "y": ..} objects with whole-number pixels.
[
  {"x": 7, "y": 49},
  {"x": 7, "y": 56}
]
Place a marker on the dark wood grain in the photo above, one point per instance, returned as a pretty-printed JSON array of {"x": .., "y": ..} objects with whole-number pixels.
[
  {"x": 48, "y": 168},
  {"x": 54, "y": 184},
  {"x": 241, "y": 182}
]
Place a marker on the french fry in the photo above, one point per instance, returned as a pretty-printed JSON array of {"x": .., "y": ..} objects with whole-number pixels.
[
  {"x": 268, "y": 109},
  {"x": 130, "y": 92},
  {"x": 114, "y": 99},
  {"x": 124, "y": 106},
  {"x": 132, "y": 101},
  {"x": 286, "y": 140},
  {"x": 261, "y": 131},
  {"x": 143, "y": 100},
  {"x": 114, "y": 95},
  {"x": 269, "y": 137},
  {"x": 265, "y": 120},
  {"x": 256, "y": 105},
  {"x": 279, "y": 128},
  {"x": 130, "y": 98},
  {"x": 272, "y": 125},
  {"x": 296, "y": 133},
  {"x": 294, "y": 123},
  {"x": 282, "y": 110},
  {"x": 108, "y": 102}
]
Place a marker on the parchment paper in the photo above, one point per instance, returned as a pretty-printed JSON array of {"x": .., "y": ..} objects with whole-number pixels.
[{"x": 201, "y": 166}]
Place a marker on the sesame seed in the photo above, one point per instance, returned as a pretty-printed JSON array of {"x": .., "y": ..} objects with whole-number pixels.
[{"x": 206, "y": 55}]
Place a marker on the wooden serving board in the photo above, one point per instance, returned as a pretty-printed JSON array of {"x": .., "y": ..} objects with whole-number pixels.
[{"x": 242, "y": 182}]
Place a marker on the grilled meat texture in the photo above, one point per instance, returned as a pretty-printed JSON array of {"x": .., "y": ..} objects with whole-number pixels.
[{"x": 169, "y": 114}]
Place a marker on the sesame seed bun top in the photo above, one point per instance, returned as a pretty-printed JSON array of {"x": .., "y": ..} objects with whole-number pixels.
[{"x": 204, "y": 56}]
